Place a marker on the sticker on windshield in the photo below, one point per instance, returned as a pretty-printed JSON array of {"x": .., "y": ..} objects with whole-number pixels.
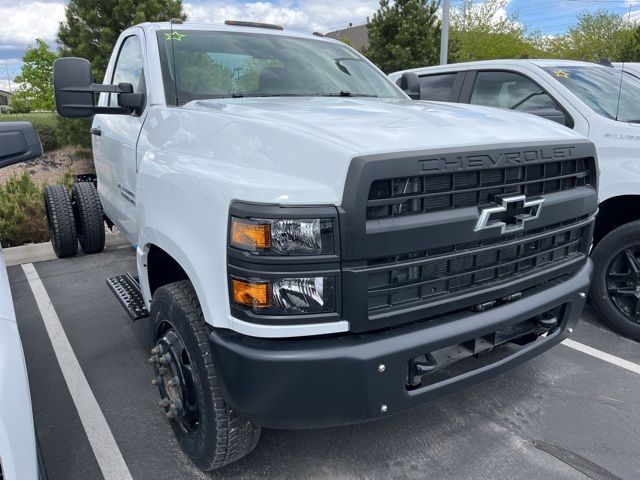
[
  {"x": 561, "y": 74},
  {"x": 174, "y": 36}
]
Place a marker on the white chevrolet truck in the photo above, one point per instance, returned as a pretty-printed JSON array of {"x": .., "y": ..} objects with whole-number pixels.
[
  {"x": 597, "y": 101},
  {"x": 313, "y": 247}
]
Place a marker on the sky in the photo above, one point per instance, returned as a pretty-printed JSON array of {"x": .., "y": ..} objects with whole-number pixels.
[{"x": 22, "y": 21}]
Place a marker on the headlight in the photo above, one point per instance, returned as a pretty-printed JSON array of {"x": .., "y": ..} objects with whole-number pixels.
[
  {"x": 285, "y": 296},
  {"x": 294, "y": 236}
]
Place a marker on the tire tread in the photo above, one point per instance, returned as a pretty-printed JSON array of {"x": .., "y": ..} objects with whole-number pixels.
[
  {"x": 90, "y": 221},
  {"x": 61, "y": 221}
]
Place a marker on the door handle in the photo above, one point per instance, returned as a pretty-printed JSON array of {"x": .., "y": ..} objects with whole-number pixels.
[{"x": 96, "y": 131}]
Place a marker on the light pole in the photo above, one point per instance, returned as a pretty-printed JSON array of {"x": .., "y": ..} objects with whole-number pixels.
[
  {"x": 444, "y": 40},
  {"x": 6, "y": 68}
]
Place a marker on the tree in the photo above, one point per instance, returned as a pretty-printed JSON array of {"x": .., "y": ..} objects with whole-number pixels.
[
  {"x": 484, "y": 31},
  {"x": 631, "y": 48},
  {"x": 404, "y": 34},
  {"x": 90, "y": 28},
  {"x": 36, "y": 89},
  {"x": 596, "y": 35}
]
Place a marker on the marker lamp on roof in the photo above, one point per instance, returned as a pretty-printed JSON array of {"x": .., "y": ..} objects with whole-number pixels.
[{"x": 291, "y": 236}]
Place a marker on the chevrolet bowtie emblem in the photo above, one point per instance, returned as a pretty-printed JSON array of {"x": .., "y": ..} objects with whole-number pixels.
[{"x": 510, "y": 213}]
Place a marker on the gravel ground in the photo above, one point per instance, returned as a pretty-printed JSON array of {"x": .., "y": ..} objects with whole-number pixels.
[{"x": 52, "y": 166}]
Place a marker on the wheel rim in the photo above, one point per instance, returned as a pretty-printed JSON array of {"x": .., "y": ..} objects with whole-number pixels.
[
  {"x": 175, "y": 380},
  {"x": 623, "y": 282}
]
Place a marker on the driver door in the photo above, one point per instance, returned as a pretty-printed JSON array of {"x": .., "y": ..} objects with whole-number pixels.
[{"x": 115, "y": 139}]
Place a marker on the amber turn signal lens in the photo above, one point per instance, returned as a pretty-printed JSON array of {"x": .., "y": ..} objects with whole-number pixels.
[
  {"x": 250, "y": 235},
  {"x": 251, "y": 294}
]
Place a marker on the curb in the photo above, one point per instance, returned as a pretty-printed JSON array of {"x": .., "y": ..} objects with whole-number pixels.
[{"x": 40, "y": 252}]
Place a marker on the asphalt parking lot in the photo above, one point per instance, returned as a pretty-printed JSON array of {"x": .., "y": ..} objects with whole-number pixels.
[{"x": 564, "y": 415}]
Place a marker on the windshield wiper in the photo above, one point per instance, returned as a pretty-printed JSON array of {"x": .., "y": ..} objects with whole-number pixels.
[
  {"x": 243, "y": 95},
  {"x": 346, "y": 93}
]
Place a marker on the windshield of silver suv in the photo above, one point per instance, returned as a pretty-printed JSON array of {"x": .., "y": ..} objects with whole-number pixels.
[
  {"x": 205, "y": 64},
  {"x": 600, "y": 88}
]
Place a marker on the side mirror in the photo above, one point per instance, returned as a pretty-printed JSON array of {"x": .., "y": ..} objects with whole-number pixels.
[
  {"x": 410, "y": 84},
  {"x": 75, "y": 91},
  {"x": 19, "y": 142},
  {"x": 552, "y": 114},
  {"x": 72, "y": 81}
]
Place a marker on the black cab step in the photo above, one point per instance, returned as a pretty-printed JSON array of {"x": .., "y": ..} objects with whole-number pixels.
[{"x": 127, "y": 290}]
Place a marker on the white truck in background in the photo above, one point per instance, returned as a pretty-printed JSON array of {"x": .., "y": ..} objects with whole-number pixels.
[
  {"x": 19, "y": 459},
  {"x": 596, "y": 101},
  {"x": 313, "y": 248}
]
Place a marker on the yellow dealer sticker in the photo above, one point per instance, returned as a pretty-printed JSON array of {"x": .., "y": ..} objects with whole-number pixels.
[{"x": 174, "y": 36}]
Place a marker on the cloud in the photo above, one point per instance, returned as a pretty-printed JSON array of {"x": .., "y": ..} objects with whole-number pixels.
[
  {"x": 23, "y": 22},
  {"x": 304, "y": 15},
  {"x": 8, "y": 86}
]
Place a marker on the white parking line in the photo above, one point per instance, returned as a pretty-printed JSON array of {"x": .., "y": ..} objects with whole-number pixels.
[
  {"x": 612, "y": 359},
  {"x": 103, "y": 444}
]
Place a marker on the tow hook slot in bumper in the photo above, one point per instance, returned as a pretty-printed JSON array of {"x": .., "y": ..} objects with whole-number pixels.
[{"x": 455, "y": 360}]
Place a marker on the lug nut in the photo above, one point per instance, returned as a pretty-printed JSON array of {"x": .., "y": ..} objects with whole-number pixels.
[
  {"x": 173, "y": 382},
  {"x": 381, "y": 368},
  {"x": 570, "y": 330},
  {"x": 582, "y": 295},
  {"x": 383, "y": 409},
  {"x": 165, "y": 359}
]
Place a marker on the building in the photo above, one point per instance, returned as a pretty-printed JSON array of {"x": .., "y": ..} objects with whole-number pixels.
[
  {"x": 358, "y": 36},
  {"x": 5, "y": 100}
]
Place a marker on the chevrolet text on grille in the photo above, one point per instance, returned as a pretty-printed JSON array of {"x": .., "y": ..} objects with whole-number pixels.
[{"x": 448, "y": 163}]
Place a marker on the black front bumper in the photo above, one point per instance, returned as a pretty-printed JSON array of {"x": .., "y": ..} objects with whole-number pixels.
[{"x": 330, "y": 381}]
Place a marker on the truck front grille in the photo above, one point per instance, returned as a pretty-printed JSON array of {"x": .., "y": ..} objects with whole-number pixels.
[
  {"x": 426, "y": 276},
  {"x": 402, "y": 196}
]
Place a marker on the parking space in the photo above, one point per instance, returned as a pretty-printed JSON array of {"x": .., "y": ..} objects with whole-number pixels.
[{"x": 564, "y": 415}]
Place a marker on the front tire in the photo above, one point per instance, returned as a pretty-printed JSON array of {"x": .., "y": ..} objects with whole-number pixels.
[
  {"x": 207, "y": 429},
  {"x": 62, "y": 228},
  {"x": 615, "y": 290}
]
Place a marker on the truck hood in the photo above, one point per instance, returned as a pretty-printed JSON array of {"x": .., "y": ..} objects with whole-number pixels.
[{"x": 371, "y": 125}]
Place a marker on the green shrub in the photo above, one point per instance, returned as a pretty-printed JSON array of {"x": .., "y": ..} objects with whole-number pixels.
[
  {"x": 20, "y": 105},
  {"x": 74, "y": 132},
  {"x": 46, "y": 124},
  {"x": 22, "y": 214}
]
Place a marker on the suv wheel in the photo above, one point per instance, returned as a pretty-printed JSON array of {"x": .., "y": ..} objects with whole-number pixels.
[
  {"x": 615, "y": 290},
  {"x": 208, "y": 430},
  {"x": 89, "y": 218},
  {"x": 62, "y": 228}
]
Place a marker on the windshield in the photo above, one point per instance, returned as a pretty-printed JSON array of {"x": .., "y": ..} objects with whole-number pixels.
[
  {"x": 230, "y": 64},
  {"x": 599, "y": 88}
]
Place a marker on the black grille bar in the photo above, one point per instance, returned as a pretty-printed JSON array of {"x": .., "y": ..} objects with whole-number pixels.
[
  {"x": 422, "y": 279},
  {"x": 430, "y": 193}
]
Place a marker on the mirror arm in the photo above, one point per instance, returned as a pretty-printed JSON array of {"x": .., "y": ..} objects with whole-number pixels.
[{"x": 100, "y": 88}]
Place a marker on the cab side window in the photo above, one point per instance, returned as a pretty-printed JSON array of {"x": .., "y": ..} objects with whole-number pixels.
[
  {"x": 437, "y": 87},
  {"x": 128, "y": 67},
  {"x": 510, "y": 90}
]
